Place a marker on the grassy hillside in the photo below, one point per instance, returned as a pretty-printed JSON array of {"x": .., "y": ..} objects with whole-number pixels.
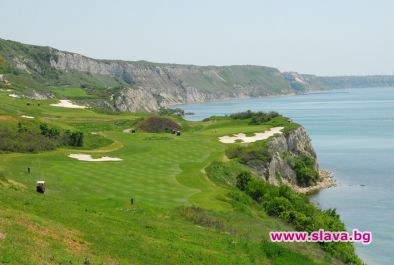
[{"x": 182, "y": 213}]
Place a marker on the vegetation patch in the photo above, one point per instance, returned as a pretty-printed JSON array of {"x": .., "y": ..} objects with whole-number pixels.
[
  {"x": 156, "y": 124},
  {"x": 305, "y": 171},
  {"x": 252, "y": 155},
  {"x": 70, "y": 92},
  {"x": 256, "y": 118},
  {"x": 200, "y": 216},
  {"x": 26, "y": 138},
  {"x": 176, "y": 111},
  {"x": 294, "y": 208}
]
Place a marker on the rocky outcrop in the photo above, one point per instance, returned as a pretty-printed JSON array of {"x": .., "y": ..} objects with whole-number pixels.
[
  {"x": 176, "y": 84},
  {"x": 135, "y": 100},
  {"x": 173, "y": 84},
  {"x": 283, "y": 148},
  {"x": 39, "y": 95}
]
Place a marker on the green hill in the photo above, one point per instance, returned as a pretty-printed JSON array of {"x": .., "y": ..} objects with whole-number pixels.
[{"x": 185, "y": 206}]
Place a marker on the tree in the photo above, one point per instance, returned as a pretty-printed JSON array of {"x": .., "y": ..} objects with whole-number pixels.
[{"x": 76, "y": 139}]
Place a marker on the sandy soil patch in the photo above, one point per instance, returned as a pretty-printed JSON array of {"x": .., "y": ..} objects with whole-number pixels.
[
  {"x": 14, "y": 95},
  {"x": 89, "y": 158},
  {"x": 2, "y": 236},
  {"x": 27, "y": 117},
  {"x": 250, "y": 139},
  {"x": 7, "y": 118},
  {"x": 68, "y": 104}
]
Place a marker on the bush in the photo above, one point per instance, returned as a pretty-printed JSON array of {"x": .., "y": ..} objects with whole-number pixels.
[
  {"x": 296, "y": 209},
  {"x": 256, "y": 189},
  {"x": 243, "y": 179},
  {"x": 305, "y": 171},
  {"x": 249, "y": 155},
  {"x": 256, "y": 118},
  {"x": 29, "y": 139},
  {"x": 73, "y": 138},
  {"x": 277, "y": 206}
]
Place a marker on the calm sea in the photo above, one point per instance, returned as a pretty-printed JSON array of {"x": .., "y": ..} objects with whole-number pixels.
[{"x": 352, "y": 131}]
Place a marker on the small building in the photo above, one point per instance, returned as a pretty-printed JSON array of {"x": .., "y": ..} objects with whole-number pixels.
[
  {"x": 178, "y": 133},
  {"x": 40, "y": 186}
]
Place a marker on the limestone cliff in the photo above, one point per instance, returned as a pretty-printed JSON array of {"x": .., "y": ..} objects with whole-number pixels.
[
  {"x": 283, "y": 149},
  {"x": 175, "y": 84},
  {"x": 135, "y": 86},
  {"x": 144, "y": 86}
]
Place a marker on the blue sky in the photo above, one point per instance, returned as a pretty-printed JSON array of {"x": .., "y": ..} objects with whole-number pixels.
[{"x": 320, "y": 37}]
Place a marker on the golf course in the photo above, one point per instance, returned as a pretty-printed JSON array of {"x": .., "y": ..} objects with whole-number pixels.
[{"x": 135, "y": 197}]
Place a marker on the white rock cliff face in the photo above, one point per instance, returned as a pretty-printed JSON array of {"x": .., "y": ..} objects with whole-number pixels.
[
  {"x": 169, "y": 84},
  {"x": 135, "y": 100},
  {"x": 296, "y": 143}
]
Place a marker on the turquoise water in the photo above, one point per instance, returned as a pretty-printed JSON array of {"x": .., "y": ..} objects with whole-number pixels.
[{"x": 352, "y": 131}]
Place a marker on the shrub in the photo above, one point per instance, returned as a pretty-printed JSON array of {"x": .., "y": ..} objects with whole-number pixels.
[
  {"x": 256, "y": 189},
  {"x": 278, "y": 206},
  {"x": 29, "y": 139},
  {"x": 256, "y": 118},
  {"x": 243, "y": 179},
  {"x": 305, "y": 171},
  {"x": 249, "y": 155},
  {"x": 296, "y": 209}
]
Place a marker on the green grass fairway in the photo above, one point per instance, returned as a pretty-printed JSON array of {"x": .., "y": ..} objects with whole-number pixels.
[
  {"x": 69, "y": 92},
  {"x": 85, "y": 216}
]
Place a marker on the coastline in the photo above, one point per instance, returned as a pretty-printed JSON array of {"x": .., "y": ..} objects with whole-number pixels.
[
  {"x": 237, "y": 98},
  {"x": 174, "y": 105}
]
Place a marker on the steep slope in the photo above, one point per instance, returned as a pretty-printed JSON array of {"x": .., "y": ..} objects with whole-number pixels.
[
  {"x": 133, "y": 86},
  {"x": 114, "y": 85}
]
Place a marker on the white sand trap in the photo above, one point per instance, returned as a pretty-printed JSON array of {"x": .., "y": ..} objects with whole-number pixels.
[
  {"x": 250, "y": 139},
  {"x": 14, "y": 95},
  {"x": 83, "y": 157},
  {"x": 68, "y": 104},
  {"x": 27, "y": 117}
]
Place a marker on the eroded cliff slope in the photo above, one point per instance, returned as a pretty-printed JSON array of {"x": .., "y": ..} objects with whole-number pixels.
[{"x": 115, "y": 85}]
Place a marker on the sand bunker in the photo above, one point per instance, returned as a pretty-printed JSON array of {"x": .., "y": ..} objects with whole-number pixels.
[
  {"x": 68, "y": 104},
  {"x": 250, "y": 139},
  {"x": 27, "y": 117},
  {"x": 83, "y": 157},
  {"x": 14, "y": 95}
]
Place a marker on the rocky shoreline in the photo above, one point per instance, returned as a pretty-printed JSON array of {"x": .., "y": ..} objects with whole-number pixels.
[{"x": 326, "y": 181}]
